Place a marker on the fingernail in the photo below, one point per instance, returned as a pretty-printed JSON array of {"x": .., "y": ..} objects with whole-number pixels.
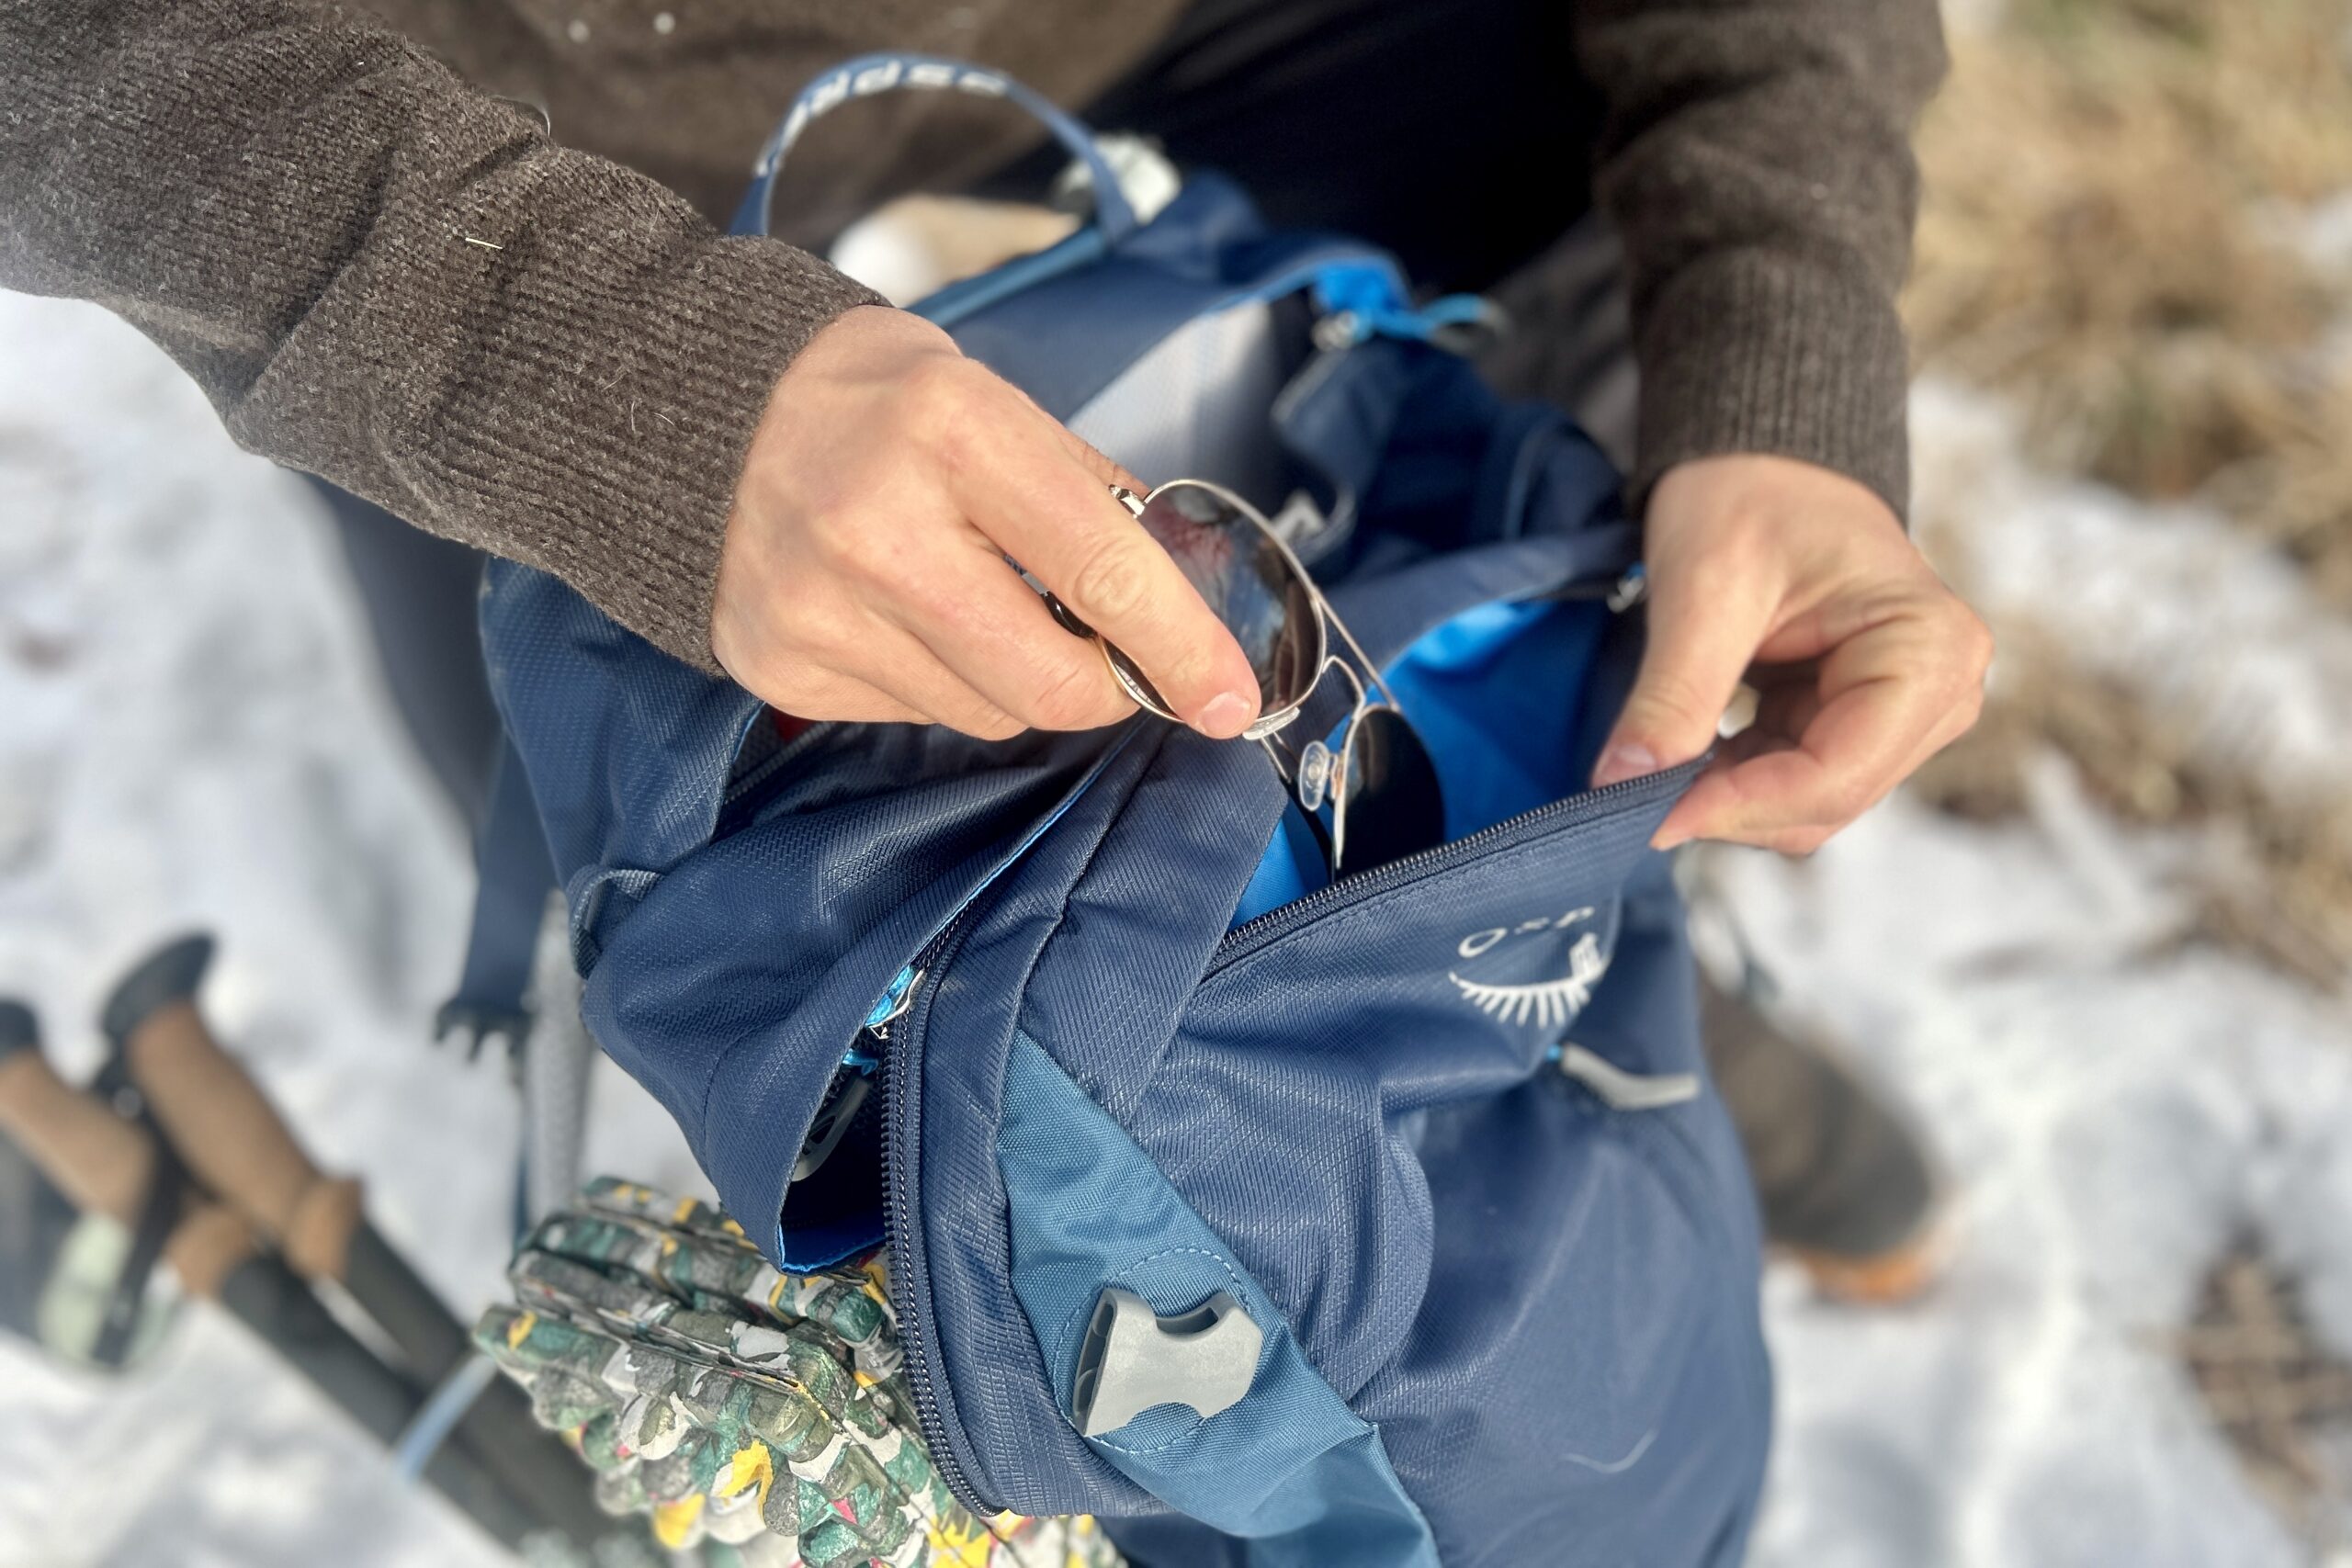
[
  {"x": 1624, "y": 760},
  {"x": 1225, "y": 717}
]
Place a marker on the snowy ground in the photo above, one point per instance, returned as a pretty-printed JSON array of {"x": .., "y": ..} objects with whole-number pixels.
[{"x": 189, "y": 734}]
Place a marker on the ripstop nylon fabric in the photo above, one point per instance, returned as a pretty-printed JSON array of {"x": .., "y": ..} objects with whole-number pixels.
[{"x": 1544, "y": 1308}]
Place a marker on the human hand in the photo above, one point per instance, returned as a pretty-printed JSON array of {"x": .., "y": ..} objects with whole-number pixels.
[
  {"x": 864, "y": 574},
  {"x": 1802, "y": 582}
]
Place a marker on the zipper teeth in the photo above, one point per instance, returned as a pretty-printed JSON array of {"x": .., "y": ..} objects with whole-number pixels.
[
  {"x": 1399, "y": 872},
  {"x": 900, "y": 1066},
  {"x": 905, "y": 1053}
]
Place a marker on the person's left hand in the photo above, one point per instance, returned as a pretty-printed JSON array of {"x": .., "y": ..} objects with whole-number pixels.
[{"x": 1802, "y": 582}]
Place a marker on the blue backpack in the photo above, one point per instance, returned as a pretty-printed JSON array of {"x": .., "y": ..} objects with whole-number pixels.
[{"x": 1273, "y": 1220}]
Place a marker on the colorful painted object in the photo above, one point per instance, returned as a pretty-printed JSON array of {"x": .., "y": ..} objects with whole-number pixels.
[{"x": 757, "y": 1416}]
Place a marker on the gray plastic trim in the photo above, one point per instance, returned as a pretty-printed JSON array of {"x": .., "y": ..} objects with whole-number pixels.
[
  {"x": 1133, "y": 1359},
  {"x": 1621, "y": 1090}
]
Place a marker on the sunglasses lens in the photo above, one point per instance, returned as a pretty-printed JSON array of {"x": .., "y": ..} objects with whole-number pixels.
[
  {"x": 1394, "y": 804},
  {"x": 1250, "y": 585}
]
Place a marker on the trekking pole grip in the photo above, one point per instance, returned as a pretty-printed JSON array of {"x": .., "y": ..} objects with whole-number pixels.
[
  {"x": 231, "y": 1138},
  {"x": 102, "y": 1163},
  {"x": 106, "y": 1164}
]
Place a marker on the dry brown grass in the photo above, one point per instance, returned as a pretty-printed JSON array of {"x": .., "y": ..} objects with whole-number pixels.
[
  {"x": 2282, "y": 1400},
  {"x": 2277, "y": 885},
  {"x": 2106, "y": 184},
  {"x": 2296, "y": 487},
  {"x": 2106, "y": 188}
]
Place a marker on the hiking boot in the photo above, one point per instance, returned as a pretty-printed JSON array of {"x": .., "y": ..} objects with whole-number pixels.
[{"x": 1848, "y": 1189}]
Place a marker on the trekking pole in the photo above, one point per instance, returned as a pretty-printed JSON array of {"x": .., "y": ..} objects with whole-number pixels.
[
  {"x": 105, "y": 1164},
  {"x": 234, "y": 1141}
]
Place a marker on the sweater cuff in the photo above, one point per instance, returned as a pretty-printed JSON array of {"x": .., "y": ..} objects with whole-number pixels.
[
  {"x": 629, "y": 479},
  {"x": 1767, "y": 352}
]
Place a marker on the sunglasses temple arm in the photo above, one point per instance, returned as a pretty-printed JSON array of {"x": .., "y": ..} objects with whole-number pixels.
[
  {"x": 1371, "y": 671},
  {"x": 1339, "y": 805}
]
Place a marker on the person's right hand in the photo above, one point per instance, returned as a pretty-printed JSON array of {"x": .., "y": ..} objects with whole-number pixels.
[{"x": 864, "y": 573}]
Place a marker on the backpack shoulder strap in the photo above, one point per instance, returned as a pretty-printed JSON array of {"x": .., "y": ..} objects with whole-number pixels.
[{"x": 513, "y": 876}]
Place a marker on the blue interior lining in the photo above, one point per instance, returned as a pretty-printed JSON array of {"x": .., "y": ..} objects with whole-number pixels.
[{"x": 1497, "y": 695}]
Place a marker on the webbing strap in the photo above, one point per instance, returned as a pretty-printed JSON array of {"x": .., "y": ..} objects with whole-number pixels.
[{"x": 515, "y": 876}]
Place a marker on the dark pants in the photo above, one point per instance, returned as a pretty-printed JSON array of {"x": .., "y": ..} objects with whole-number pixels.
[
  {"x": 1414, "y": 127},
  {"x": 1453, "y": 135},
  {"x": 421, "y": 593},
  {"x": 1448, "y": 134}
]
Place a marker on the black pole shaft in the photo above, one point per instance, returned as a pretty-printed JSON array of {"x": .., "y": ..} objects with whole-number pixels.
[
  {"x": 263, "y": 1294},
  {"x": 497, "y": 1429}
]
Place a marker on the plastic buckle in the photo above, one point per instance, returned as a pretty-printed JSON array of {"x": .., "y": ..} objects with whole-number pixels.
[{"x": 1133, "y": 1359}]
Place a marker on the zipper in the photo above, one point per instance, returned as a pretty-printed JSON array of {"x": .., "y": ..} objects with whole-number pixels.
[
  {"x": 853, "y": 1081},
  {"x": 901, "y": 1084},
  {"x": 902, "y": 1014},
  {"x": 900, "y": 1075},
  {"x": 742, "y": 796},
  {"x": 900, "y": 1072},
  {"x": 1412, "y": 868}
]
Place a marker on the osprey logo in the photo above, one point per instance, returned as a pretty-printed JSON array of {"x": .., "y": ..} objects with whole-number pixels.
[{"x": 1548, "y": 1004}]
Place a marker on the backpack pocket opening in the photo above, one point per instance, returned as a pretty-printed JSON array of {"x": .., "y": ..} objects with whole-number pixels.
[{"x": 1512, "y": 699}]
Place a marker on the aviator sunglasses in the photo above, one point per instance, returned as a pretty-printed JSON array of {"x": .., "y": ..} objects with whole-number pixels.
[{"x": 1375, "y": 773}]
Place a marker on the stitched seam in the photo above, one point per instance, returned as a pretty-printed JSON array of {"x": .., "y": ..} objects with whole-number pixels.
[{"x": 944, "y": 1394}]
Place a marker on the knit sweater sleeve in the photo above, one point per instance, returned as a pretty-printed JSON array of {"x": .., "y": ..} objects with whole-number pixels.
[
  {"x": 1755, "y": 159},
  {"x": 388, "y": 279}
]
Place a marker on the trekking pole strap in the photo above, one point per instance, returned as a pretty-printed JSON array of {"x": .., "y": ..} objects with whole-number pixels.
[
  {"x": 266, "y": 1298},
  {"x": 514, "y": 875},
  {"x": 217, "y": 1117},
  {"x": 159, "y": 1217},
  {"x": 439, "y": 1415}
]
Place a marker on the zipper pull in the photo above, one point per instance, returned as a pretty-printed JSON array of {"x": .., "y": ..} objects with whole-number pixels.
[
  {"x": 1627, "y": 590},
  {"x": 853, "y": 1080},
  {"x": 894, "y": 1004}
]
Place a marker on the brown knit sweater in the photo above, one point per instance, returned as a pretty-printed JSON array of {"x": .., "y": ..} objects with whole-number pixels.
[{"x": 382, "y": 274}]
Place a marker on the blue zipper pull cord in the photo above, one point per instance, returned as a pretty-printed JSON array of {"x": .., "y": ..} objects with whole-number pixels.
[
  {"x": 1358, "y": 301},
  {"x": 853, "y": 1080},
  {"x": 891, "y": 1007}
]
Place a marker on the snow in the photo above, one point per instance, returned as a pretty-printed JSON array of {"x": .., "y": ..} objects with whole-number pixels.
[
  {"x": 2112, "y": 1124},
  {"x": 191, "y": 736},
  {"x": 190, "y": 733},
  {"x": 2114, "y": 1110},
  {"x": 2204, "y": 622}
]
